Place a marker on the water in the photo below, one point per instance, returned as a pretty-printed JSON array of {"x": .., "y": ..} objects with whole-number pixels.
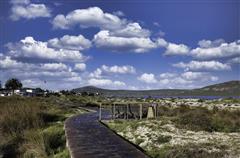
[{"x": 197, "y": 97}]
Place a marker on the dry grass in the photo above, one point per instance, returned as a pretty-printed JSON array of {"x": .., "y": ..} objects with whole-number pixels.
[{"x": 32, "y": 127}]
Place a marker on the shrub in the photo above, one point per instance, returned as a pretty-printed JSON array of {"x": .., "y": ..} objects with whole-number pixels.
[
  {"x": 16, "y": 116},
  {"x": 163, "y": 139},
  {"x": 54, "y": 139},
  {"x": 198, "y": 119},
  {"x": 192, "y": 150}
]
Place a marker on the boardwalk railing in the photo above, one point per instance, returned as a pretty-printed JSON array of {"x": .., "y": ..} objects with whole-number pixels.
[{"x": 129, "y": 110}]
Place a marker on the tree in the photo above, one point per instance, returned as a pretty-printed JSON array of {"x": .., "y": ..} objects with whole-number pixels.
[{"x": 13, "y": 84}]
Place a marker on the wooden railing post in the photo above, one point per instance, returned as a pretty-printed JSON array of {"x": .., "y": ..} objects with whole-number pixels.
[
  {"x": 127, "y": 110},
  {"x": 140, "y": 111},
  {"x": 114, "y": 111},
  {"x": 100, "y": 111},
  {"x": 155, "y": 111}
]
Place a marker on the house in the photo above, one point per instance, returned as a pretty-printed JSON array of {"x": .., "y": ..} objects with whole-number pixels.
[
  {"x": 5, "y": 92},
  {"x": 30, "y": 92}
]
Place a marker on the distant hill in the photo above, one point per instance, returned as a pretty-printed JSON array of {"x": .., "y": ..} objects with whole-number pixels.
[{"x": 231, "y": 88}]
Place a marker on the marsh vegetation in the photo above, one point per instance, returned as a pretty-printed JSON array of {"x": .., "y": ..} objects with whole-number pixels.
[
  {"x": 34, "y": 127},
  {"x": 185, "y": 131}
]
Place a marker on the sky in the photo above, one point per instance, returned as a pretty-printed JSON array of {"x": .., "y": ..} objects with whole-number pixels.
[{"x": 136, "y": 44}]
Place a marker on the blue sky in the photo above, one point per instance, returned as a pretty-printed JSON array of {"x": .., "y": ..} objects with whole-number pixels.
[{"x": 120, "y": 44}]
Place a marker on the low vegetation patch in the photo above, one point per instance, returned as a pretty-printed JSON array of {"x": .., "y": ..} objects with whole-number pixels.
[
  {"x": 33, "y": 127},
  {"x": 203, "y": 119},
  {"x": 185, "y": 132}
]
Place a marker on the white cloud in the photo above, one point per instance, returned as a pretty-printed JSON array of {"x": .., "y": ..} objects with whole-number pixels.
[
  {"x": 176, "y": 49},
  {"x": 164, "y": 81},
  {"x": 70, "y": 42},
  {"x": 103, "y": 39},
  {"x": 147, "y": 78},
  {"x": 125, "y": 69},
  {"x": 105, "y": 82},
  {"x": 161, "y": 42},
  {"x": 203, "y": 65},
  {"x": 208, "y": 43},
  {"x": 96, "y": 74},
  {"x": 73, "y": 79},
  {"x": 35, "y": 75},
  {"x": 54, "y": 66},
  {"x": 220, "y": 50},
  {"x": 167, "y": 75},
  {"x": 27, "y": 10},
  {"x": 80, "y": 67},
  {"x": 156, "y": 24},
  {"x": 199, "y": 76},
  {"x": 185, "y": 80},
  {"x": 8, "y": 63},
  {"x": 19, "y": 2},
  {"x": 118, "y": 13},
  {"x": 30, "y": 48},
  {"x": 119, "y": 83},
  {"x": 235, "y": 60},
  {"x": 192, "y": 75},
  {"x": 131, "y": 30},
  {"x": 90, "y": 17}
]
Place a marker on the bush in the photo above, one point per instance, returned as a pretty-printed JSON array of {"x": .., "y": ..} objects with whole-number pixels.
[
  {"x": 16, "y": 116},
  {"x": 198, "y": 119},
  {"x": 209, "y": 120},
  {"x": 54, "y": 139},
  {"x": 163, "y": 139},
  {"x": 192, "y": 150}
]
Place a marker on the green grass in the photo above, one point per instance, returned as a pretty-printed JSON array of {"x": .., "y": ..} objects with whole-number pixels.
[
  {"x": 202, "y": 119},
  {"x": 185, "y": 151},
  {"x": 33, "y": 127},
  {"x": 186, "y": 124}
]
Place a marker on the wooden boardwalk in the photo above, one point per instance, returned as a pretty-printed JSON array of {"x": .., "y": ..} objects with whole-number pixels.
[{"x": 88, "y": 138}]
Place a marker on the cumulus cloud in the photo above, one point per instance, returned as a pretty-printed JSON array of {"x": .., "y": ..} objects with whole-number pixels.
[
  {"x": 118, "y": 13},
  {"x": 202, "y": 76},
  {"x": 147, "y": 78},
  {"x": 37, "y": 73},
  {"x": 27, "y": 10},
  {"x": 235, "y": 60},
  {"x": 187, "y": 79},
  {"x": 115, "y": 69},
  {"x": 19, "y": 2},
  {"x": 70, "y": 42},
  {"x": 8, "y": 63},
  {"x": 208, "y": 44},
  {"x": 96, "y": 74},
  {"x": 208, "y": 50},
  {"x": 90, "y": 17},
  {"x": 105, "y": 40},
  {"x": 125, "y": 69},
  {"x": 167, "y": 75},
  {"x": 203, "y": 65},
  {"x": 131, "y": 30},
  {"x": 105, "y": 82},
  {"x": 171, "y": 80},
  {"x": 176, "y": 49},
  {"x": 116, "y": 34},
  {"x": 54, "y": 67},
  {"x": 30, "y": 48},
  {"x": 80, "y": 67}
]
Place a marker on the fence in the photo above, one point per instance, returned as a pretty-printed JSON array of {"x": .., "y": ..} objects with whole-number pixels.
[{"x": 130, "y": 110}]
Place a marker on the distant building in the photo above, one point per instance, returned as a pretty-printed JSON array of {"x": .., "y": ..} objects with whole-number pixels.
[
  {"x": 5, "y": 92},
  {"x": 30, "y": 92}
]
